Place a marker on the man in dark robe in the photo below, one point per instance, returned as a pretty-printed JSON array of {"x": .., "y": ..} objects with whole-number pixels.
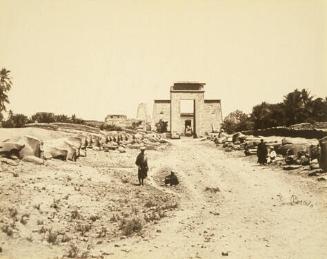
[
  {"x": 142, "y": 164},
  {"x": 262, "y": 152}
]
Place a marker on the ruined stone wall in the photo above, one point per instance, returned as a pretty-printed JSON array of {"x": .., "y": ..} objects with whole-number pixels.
[
  {"x": 161, "y": 110},
  {"x": 142, "y": 112},
  {"x": 212, "y": 116}
]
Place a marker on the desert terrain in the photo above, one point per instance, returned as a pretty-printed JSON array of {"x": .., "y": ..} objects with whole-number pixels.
[{"x": 226, "y": 206}]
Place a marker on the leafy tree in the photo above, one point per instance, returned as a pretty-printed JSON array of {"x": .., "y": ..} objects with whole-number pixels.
[
  {"x": 15, "y": 120},
  {"x": 296, "y": 106},
  {"x": 76, "y": 120},
  {"x": 267, "y": 115},
  {"x": 43, "y": 117},
  {"x": 136, "y": 124},
  {"x": 62, "y": 118},
  {"x": 237, "y": 121},
  {"x": 5, "y": 86},
  {"x": 162, "y": 126},
  {"x": 318, "y": 109}
]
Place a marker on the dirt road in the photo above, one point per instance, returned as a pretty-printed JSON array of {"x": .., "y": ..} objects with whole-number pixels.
[{"x": 257, "y": 212}]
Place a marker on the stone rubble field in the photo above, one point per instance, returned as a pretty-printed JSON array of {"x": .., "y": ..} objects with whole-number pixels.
[{"x": 226, "y": 205}]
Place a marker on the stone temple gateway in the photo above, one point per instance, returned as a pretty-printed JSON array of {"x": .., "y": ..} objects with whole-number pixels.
[{"x": 201, "y": 116}]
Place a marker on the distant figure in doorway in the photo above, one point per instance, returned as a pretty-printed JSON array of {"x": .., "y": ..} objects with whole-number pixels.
[
  {"x": 262, "y": 153},
  {"x": 142, "y": 164},
  {"x": 272, "y": 155}
]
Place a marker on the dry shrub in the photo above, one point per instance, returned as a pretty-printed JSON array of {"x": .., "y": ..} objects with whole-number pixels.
[
  {"x": 52, "y": 237},
  {"x": 131, "y": 226},
  {"x": 102, "y": 232},
  {"x": 24, "y": 218},
  {"x": 73, "y": 251},
  {"x": 170, "y": 206},
  {"x": 115, "y": 218},
  {"x": 8, "y": 230},
  {"x": 124, "y": 179},
  {"x": 55, "y": 204},
  {"x": 13, "y": 212},
  {"x": 37, "y": 206},
  {"x": 94, "y": 217},
  {"x": 212, "y": 189},
  {"x": 83, "y": 228},
  {"x": 43, "y": 230},
  {"x": 75, "y": 214},
  {"x": 65, "y": 238},
  {"x": 150, "y": 204}
]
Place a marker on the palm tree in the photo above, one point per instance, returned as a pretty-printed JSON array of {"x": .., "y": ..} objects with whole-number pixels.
[{"x": 5, "y": 85}]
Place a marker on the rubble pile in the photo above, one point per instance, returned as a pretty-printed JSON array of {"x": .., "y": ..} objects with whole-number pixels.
[
  {"x": 73, "y": 145},
  {"x": 282, "y": 152}
]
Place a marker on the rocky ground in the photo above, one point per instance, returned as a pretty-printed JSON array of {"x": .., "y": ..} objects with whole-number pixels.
[{"x": 225, "y": 206}]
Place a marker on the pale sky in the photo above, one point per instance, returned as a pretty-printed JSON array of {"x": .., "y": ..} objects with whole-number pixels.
[{"x": 99, "y": 57}]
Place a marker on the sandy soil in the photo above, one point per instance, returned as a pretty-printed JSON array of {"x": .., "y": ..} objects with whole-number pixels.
[{"x": 227, "y": 206}]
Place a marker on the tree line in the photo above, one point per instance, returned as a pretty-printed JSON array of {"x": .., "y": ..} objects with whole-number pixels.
[
  {"x": 20, "y": 120},
  {"x": 296, "y": 107}
]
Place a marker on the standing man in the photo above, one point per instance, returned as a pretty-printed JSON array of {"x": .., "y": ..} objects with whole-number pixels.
[
  {"x": 262, "y": 153},
  {"x": 142, "y": 164}
]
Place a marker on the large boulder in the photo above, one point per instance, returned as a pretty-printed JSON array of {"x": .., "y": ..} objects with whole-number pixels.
[
  {"x": 83, "y": 142},
  {"x": 314, "y": 152},
  {"x": 32, "y": 146},
  {"x": 33, "y": 159},
  {"x": 89, "y": 141},
  {"x": 61, "y": 144},
  {"x": 122, "y": 150},
  {"x": 8, "y": 161},
  {"x": 9, "y": 149},
  {"x": 96, "y": 142},
  {"x": 239, "y": 137},
  {"x": 75, "y": 142},
  {"x": 53, "y": 152},
  {"x": 71, "y": 151},
  {"x": 286, "y": 141},
  {"x": 293, "y": 149}
]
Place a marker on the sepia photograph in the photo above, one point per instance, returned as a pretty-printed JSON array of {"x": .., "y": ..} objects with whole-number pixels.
[{"x": 178, "y": 129}]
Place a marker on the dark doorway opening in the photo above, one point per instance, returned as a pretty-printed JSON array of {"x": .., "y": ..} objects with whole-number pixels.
[{"x": 188, "y": 128}]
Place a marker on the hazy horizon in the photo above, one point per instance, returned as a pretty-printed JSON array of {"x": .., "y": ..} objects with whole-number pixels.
[{"x": 95, "y": 57}]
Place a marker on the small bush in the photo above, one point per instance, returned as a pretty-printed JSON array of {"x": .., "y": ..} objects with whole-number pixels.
[
  {"x": 131, "y": 226},
  {"x": 150, "y": 204},
  {"x": 102, "y": 232},
  {"x": 8, "y": 230},
  {"x": 73, "y": 251},
  {"x": 75, "y": 214},
  {"x": 52, "y": 237},
  {"x": 24, "y": 218},
  {"x": 83, "y": 228},
  {"x": 65, "y": 238},
  {"x": 55, "y": 204},
  {"x": 94, "y": 217},
  {"x": 13, "y": 212},
  {"x": 212, "y": 189}
]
